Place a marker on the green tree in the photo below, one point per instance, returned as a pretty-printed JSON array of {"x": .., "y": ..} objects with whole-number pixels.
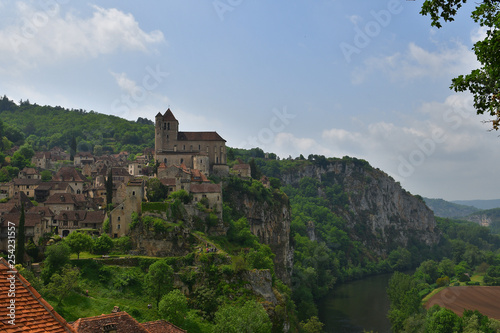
[
  {"x": 312, "y": 325},
  {"x": 484, "y": 82},
  {"x": 46, "y": 175},
  {"x": 109, "y": 187},
  {"x": 79, "y": 242},
  {"x": 61, "y": 283},
  {"x": 56, "y": 256},
  {"x": 102, "y": 245},
  {"x": 21, "y": 240},
  {"x": 441, "y": 320},
  {"x": 158, "y": 280},
  {"x": 156, "y": 191},
  {"x": 254, "y": 170},
  {"x": 174, "y": 307},
  {"x": 404, "y": 298},
  {"x": 249, "y": 318}
]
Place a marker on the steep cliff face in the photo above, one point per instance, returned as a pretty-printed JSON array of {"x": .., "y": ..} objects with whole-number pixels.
[
  {"x": 379, "y": 213},
  {"x": 270, "y": 221}
]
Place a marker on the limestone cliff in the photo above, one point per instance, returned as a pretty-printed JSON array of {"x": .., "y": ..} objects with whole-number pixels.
[
  {"x": 270, "y": 221},
  {"x": 379, "y": 213}
]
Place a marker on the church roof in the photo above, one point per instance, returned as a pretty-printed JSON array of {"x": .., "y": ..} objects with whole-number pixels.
[
  {"x": 169, "y": 116},
  {"x": 199, "y": 136}
]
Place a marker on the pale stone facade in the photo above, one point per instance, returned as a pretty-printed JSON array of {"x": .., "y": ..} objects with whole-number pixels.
[{"x": 194, "y": 149}]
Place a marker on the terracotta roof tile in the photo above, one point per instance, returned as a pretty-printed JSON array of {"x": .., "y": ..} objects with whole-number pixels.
[
  {"x": 162, "y": 326},
  {"x": 205, "y": 188},
  {"x": 169, "y": 116},
  {"x": 121, "y": 321},
  {"x": 69, "y": 174},
  {"x": 32, "y": 312},
  {"x": 199, "y": 136}
]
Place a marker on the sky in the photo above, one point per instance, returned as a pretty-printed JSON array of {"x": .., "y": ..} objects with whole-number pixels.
[{"x": 363, "y": 78}]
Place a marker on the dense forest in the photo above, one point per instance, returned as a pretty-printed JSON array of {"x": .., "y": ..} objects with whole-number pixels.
[{"x": 45, "y": 127}]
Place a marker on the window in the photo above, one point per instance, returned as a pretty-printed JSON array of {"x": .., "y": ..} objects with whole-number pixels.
[
  {"x": 119, "y": 225},
  {"x": 168, "y": 126},
  {"x": 164, "y": 126},
  {"x": 183, "y": 147},
  {"x": 75, "y": 223},
  {"x": 118, "y": 218},
  {"x": 199, "y": 147},
  {"x": 133, "y": 192}
]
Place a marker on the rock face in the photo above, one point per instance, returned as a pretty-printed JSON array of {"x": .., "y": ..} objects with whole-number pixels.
[
  {"x": 379, "y": 213},
  {"x": 270, "y": 222}
]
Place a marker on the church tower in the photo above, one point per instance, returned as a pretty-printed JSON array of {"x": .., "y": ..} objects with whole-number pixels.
[{"x": 167, "y": 130}]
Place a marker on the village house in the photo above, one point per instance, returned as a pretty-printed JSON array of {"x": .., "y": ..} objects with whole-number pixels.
[
  {"x": 205, "y": 151},
  {"x": 242, "y": 170},
  {"x": 120, "y": 217},
  {"x": 69, "y": 221},
  {"x": 72, "y": 177},
  {"x": 209, "y": 193},
  {"x": 28, "y": 186},
  {"x": 83, "y": 158},
  {"x": 65, "y": 201},
  {"x": 29, "y": 173}
]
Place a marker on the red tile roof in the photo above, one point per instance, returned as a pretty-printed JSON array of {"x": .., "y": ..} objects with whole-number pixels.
[
  {"x": 32, "y": 313},
  {"x": 169, "y": 116},
  {"x": 69, "y": 174},
  {"x": 205, "y": 188},
  {"x": 121, "y": 321},
  {"x": 162, "y": 326},
  {"x": 199, "y": 136}
]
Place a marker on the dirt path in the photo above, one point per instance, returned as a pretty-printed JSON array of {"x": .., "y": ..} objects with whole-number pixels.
[{"x": 484, "y": 299}]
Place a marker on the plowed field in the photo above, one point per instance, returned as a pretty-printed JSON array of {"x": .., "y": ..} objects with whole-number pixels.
[{"x": 484, "y": 299}]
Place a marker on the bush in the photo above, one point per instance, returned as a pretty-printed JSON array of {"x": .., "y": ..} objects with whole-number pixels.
[{"x": 102, "y": 245}]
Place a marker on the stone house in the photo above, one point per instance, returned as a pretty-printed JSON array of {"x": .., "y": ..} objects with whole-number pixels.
[
  {"x": 29, "y": 173},
  {"x": 69, "y": 221},
  {"x": 71, "y": 176},
  {"x": 64, "y": 201},
  {"x": 242, "y": 170},
  {"x": 28, "y": 186},
  {"x": 83, "y": 158},
  {"x": 212, "y": 193},
  {"x": 121, "y": 217}
]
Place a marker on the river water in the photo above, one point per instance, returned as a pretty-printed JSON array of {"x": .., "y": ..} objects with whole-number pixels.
[{"x": 357, "y": 306}]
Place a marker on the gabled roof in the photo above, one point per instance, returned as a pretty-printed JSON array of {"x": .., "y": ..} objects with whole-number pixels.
[
  {"x": 30, "y": 219},
  {"x": 121, "y": 321},
  {"x": 33, "y": 314},
  {"x": 61, "y": 198},
  {"x": 241, "y": 166},
  {"x": 199, "y": 136},
  {"x": 42, "y": 211},
  {"x": 169, "y": 116},
  {"x": 162, "y": 326},
  {"x": 24, "y": 181},
  {"x": 69, "y": 174},
  {"x": 205, "y": 188}
]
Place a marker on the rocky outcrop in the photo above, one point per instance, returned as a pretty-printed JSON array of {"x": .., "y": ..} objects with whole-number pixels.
[
  {"x": 270, "y": 221},
  {"x": 176, "y": 242},
  {"x": 379, "y": 213}
]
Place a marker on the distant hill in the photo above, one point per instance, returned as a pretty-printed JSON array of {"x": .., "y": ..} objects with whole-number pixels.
[
  {"x": 488, "y": 218},
  {"x": 45, "y": 127},
  {"x": 443, "y": 208},
  {"x": 481, "y": 204}
]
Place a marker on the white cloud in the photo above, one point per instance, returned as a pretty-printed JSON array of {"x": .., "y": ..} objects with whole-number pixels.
[
  {"x": 48, "y": 36},
  {"x": 416, "y": 62}
]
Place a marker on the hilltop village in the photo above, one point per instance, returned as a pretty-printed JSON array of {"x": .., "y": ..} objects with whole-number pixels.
[{"x": 76, "y": 196}]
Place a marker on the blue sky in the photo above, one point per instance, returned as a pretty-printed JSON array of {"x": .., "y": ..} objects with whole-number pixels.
[{"x": 361, "y": 78}]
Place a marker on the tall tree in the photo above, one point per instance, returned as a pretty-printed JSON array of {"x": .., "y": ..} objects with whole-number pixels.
[
  {"x": 109, "y": 187},
  {"x": 158, "y": 280},
  {"x": 21, "y": 239},
  {"x": 484, "y": 82},
  {"x": 72, "y": 148}
]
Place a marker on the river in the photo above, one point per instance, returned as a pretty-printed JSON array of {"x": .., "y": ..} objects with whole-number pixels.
[{"x": 357, "y": 306}]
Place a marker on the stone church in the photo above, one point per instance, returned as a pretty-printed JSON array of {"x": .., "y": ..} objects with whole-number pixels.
[{"x": 205, "y": 151}]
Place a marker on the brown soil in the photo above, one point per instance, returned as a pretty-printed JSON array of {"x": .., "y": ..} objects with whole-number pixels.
[{"x": 458, "y": 299}]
